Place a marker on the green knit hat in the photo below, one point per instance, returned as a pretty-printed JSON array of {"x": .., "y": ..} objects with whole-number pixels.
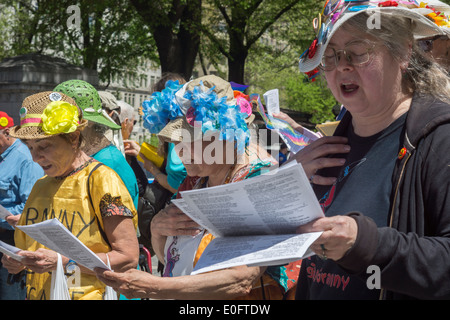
[{"x": 88, "y": 99}]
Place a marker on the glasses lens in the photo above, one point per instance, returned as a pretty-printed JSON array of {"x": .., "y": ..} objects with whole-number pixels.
[
  {"x": 358, "y": 53},
  {"x": 328, "y": 60}
]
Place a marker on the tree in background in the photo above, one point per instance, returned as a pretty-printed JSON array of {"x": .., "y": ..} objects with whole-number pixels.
[
  {"x": 274, "y": 64},
  {"x": 240, "y": 25},
  {"x": 174, "y": 27},
  {"x": 114, "y": 37},
  {"x": 101, "y": 35}
]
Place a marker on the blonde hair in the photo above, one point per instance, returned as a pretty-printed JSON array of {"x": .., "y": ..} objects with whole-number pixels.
[{"x": 423, "y": 75}]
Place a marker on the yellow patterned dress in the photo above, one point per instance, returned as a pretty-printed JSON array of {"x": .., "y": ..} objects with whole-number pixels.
[{"x": 67, "y": 200}]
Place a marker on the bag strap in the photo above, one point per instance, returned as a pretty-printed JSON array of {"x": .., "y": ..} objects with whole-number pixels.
[{"x": 102, "y": 232}]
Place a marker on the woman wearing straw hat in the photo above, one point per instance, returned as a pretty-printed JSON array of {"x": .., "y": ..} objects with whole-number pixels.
[
  {"x": 204, "y": 106},
  {"x": 387, "y": 221},
  {"x": 90, "y": 200}
]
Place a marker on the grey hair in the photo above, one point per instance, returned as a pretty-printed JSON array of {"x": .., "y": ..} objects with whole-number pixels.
[
  {"x": 422, "y": 75},
  {"x": 126, "y": 111}
]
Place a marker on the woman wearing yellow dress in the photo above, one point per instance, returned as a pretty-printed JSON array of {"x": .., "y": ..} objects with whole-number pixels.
[{"x": 87, "y": 197}]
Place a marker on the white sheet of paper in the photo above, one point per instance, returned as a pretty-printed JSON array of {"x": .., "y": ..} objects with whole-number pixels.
[
  {"x": 10, "y": 250},
  {"x": 4, "y": 213},
  {"x": 255, "y": 220},
  {"x": 55, "y": 236},
  {"x": 272, "y": 100},
  {"x": 255, "y": 251},
  {"x": 273, "y": 203}
]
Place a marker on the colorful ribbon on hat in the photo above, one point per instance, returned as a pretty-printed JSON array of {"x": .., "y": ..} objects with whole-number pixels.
[
  {"x": 58, "y": 117},
  {"x": 31, "y": 120},
  {"x": 280, "y": 125}
]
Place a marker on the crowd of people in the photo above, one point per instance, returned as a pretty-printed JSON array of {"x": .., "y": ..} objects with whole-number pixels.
[{"x": 382, "y": 180}]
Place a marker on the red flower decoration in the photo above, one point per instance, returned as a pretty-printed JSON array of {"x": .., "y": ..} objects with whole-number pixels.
[
  {"x": 402, "y": 153},
  {"x": 190, "y": 116},
  {"x": 388, "y": 4},
  {"x": 313, "y": 49},
  {"x": 312, "y": 75}
]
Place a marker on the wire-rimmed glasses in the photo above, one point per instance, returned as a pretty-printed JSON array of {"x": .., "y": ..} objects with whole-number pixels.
[{"x": 358, "y": 53}]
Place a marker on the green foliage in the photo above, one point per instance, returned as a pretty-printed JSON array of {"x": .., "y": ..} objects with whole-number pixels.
[
  {"x": 273, "y": 63},
  {"x": 108, "y": 38},
  {"x": 296, "y": 93},
  {"x": 310, "y": 97}
]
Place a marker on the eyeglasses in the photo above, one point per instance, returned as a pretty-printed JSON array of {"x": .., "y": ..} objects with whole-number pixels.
[{"x": 357, "y": 53}]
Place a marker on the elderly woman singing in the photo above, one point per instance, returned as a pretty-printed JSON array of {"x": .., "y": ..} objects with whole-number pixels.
[
  {"x": 389, "y": 208},
  {"x": 202, "y": 112},
  {"x": 87, "y": 197}
]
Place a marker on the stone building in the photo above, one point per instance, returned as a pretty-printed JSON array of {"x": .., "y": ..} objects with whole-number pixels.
[
  {"x": 24, "y": 75},
  {"x": 134, "y": 87}
]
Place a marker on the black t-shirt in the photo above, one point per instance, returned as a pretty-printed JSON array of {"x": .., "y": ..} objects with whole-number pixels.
[{"x": 364, "y": 185}]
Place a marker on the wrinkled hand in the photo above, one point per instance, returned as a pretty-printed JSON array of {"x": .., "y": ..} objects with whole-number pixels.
[
  {"x": 149, "y": 166},
  {"x": 132, "y": 283},
  {"x": 13, "y": 219},
  {"x": 314, "y": 157},
  {"x": 339, "y": 235},
  {"x": 40, "y": 261},
  {"x": 13, "y": 266},
  {"x": 132, "y": 148},
  {"x": 171, "y": 221},
  {"x": 283, "y": 116}
]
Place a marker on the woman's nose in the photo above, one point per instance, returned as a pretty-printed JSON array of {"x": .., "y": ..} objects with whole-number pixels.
[{"x": 342, "y": 62}]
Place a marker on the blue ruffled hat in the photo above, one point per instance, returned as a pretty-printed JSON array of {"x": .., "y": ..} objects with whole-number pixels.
[{"x": 201, "y": 107}]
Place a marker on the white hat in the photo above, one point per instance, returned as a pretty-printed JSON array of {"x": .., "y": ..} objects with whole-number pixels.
[{"x": 426, "y": 22}]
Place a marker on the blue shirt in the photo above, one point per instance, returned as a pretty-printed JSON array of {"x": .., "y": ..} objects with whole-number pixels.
[
  {"x": 18, "y": 173},
  {"x": 113, "y": 158},
  {"x": 174, "y": 168}
]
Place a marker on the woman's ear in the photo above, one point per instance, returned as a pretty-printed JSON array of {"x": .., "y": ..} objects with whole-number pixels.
[
  {"x": 75, "y": 139},
  {"x": 407, "y": 58}
]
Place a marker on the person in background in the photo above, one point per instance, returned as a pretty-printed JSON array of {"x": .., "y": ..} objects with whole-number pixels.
[
  {"x": 87, "y": 197},
  {"x": 167, "y": 178},
  {"x": 283, "y": 153},
  {"x": 111, "y": 111},
  {"x": 97, "y": 145},
  {"x": 18, "y": 173},
  {"x": 438, "y": 47},
  {"x": 177, "y": 240},
  {"x": 127, "y": 118}
]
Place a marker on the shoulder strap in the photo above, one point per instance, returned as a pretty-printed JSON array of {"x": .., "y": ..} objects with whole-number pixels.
[
  {"x": 92, "y": 203},
  {"x": 88, "y": 187}
]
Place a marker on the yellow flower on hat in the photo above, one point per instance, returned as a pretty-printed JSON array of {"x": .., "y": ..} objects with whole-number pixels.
[
  {"x": 438, "y": 19},
  {"x": 3, "y": 121},
  {"x": 59, "y": 117}
]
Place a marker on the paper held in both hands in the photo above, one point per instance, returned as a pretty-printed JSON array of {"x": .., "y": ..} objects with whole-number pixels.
[
  {"x": 254, "y": 221},
  {"x": 55, "y": 236}
]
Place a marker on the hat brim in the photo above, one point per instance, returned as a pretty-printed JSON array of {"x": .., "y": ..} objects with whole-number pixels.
[
  {"x": 180, "y": 130},
  {"x": 34, "y": 133},
  {"x": 99, "y": 118},
  {"x": 423, "y": 28}
]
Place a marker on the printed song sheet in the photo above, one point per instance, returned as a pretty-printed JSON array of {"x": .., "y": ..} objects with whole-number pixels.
[
  {"x": 10, "y": 251},
  {"x": 255, "y": 251},
  {"x": 55, "y": 236},
  {"x": 4, "y": 212},
  {"x": 266, "y": 207}
]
